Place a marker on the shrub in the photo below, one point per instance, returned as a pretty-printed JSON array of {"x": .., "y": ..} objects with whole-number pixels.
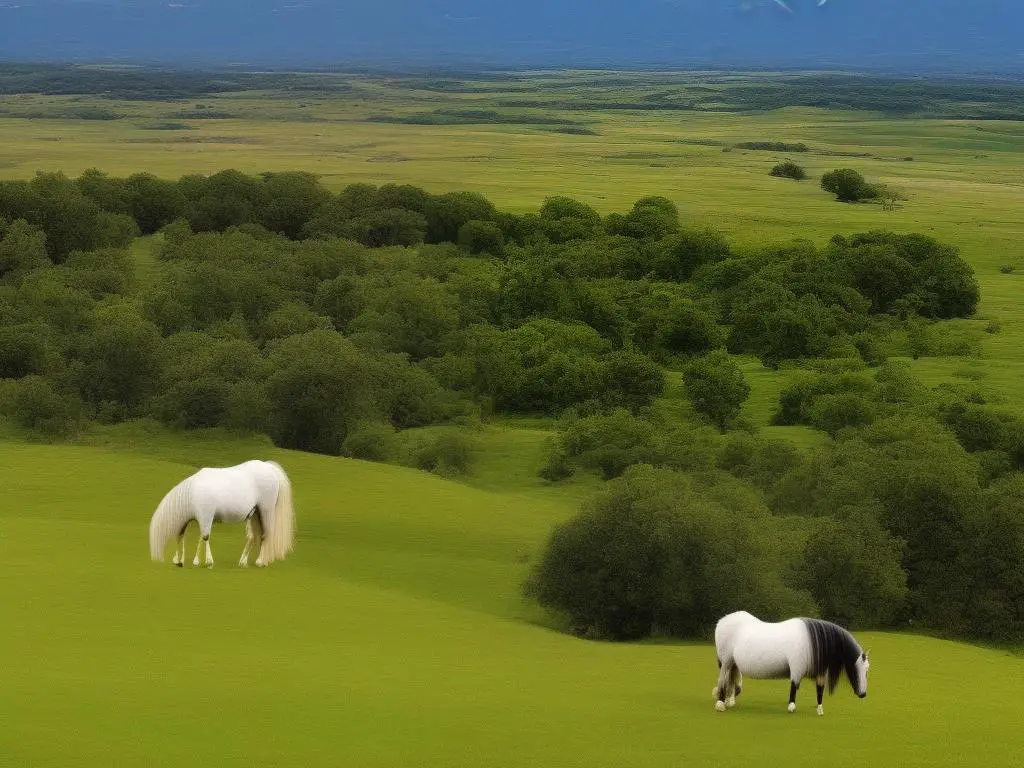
[
  {"x": 716, "y": 387},
  {"x": 848, "y": 186},
  {"x": 448, "y": 452},
  {"x": 34, "y": 404},
  {"x": 371, "y": 441},
  {"x": 789, "y": 170},
  {"x": 655, "y": 552}
]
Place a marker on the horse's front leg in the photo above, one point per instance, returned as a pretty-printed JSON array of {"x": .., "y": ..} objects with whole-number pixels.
[
  {"x": 820, "y": 684},
  {"x": 794, "y": 686},
  {"x": 199, "y": 551}
]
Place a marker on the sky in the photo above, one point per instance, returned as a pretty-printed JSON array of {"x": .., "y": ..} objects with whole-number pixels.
[{"x": 902, "y": 35}]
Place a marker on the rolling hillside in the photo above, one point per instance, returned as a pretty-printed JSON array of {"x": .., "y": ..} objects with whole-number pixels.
[{"x": 394, "y": 635}]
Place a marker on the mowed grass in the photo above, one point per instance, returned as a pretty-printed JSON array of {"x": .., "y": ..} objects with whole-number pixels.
[{"x": 394, "y": 635}]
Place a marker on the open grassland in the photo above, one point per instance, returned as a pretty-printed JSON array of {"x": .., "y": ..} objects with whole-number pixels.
[
  {"x": 962, "y": 178},
  {"x": 394, "y": 635}
]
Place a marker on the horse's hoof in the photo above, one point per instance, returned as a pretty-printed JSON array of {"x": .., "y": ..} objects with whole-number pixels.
[
  {"x": 180, "y": 565},
  {"x": 821, "y": 710},
  {"x": 730, "y": 702},
  {"x": 195, "y": 563},
  {"x": 791, "y": 707},
  {"x": 243, "y": 563},
  {"x": 209, "y": 565},
  {"x": 720, "y": 706}
]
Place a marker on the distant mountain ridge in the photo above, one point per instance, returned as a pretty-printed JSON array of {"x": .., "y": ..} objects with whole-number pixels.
[{"x": 896, "y": 35}]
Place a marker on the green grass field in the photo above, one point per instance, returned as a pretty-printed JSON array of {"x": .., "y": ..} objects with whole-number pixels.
[
  {"x": 396, "y": 633},
  {"x": 393, "y": 635}
]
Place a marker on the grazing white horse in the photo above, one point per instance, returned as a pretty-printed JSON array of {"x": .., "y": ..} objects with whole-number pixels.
[
  {"x": 258, "y": 492},
  {"x": 795, "y": 648}
]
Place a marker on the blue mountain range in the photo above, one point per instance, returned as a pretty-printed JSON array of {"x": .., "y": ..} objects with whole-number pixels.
[{"x": 896, "y": 35}]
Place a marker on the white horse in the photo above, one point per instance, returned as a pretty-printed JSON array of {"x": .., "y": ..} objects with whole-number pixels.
[
  {"x": 795, "y": 648},
  {"x": 258, "y": 492}
]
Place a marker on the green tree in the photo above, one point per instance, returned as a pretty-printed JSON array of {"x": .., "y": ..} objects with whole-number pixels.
[
  {"x": 22, "y": 249},
  {"x": 288, "y": 200},
  {"x": 716, "y": 387},
  {"x": 446, "y": 213},
  {"x": 152, "y": 202},
  {"x": 788, "y": 170},
  {"x": 848, "y": 185},
  {"x": 655, "y": 552},
  {"x": 853, "y": 570},
  {"x": 481, "y": 237},
  {"x": 318, "y": 390},
  {"x": 120, "y": 361},
  {"x": 651, "y": 218}
]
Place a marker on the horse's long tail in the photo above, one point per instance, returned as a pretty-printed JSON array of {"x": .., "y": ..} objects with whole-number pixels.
[
  {"x": 173, "y": 513},
  {"x": 280, "y": 536}
]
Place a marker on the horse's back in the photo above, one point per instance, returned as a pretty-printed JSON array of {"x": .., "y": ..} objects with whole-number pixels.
[
  {"x": 234, "y": 491},
  {"x": 770, "y": 649}
]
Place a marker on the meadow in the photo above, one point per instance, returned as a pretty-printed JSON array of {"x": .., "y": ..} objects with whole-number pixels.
[{"x": 396, "y": 633}]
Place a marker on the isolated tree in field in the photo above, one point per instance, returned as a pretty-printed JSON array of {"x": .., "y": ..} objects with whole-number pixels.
[
  {"x": 789, "y": 170},
  {"x": 716, "y": 387},
  {"x": 848, "y": 185}
]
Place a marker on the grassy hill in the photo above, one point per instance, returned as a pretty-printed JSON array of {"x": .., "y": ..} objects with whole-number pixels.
[{"x": 394, "y": 635}]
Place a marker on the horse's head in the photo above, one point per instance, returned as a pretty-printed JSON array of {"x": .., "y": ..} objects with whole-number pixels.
[{"x": 860, "y": 680}]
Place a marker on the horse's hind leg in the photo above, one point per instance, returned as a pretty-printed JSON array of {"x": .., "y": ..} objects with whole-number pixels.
[
  {"x": 249, "y": 537},
  {"x": 722, "y": 689},
  {"x": 735, "y": 686},
  {"x": 261, "y": 534},
  {"x": 179, "y": 547}
]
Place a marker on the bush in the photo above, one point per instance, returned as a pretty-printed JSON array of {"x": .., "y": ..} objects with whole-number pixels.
[
  {"x": 716, "y": 387},
  {"x": 371, "y": 441},
  {"x": 788, "y": 170},
  {"x": 655, "y": 552},
  {"x": 448, "y": 452},
  {"x": 852, "y": 568},
  {"x": 33, "y": 404},
  {"x": 848, "y": 186},
  {"x": 481, "y": 237}
]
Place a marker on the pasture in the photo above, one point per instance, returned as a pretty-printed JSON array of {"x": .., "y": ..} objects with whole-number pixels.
[{"x": 393, "y": 635}]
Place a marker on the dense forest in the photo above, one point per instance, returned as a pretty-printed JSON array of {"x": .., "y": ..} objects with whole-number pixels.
[{"x": 339, "y": 322}]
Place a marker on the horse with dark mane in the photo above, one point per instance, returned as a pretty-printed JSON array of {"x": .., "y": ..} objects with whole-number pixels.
[{"x": 794, "y": 649}]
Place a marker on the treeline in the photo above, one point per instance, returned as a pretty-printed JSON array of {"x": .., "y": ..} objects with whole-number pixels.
[
  {"x": 152, "y": 84},
  {"x": 465, "y": 305}
]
